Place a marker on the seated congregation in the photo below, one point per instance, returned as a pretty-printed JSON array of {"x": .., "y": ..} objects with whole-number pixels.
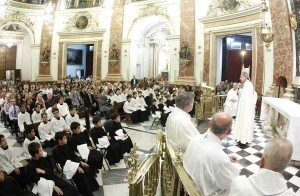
[{"x": 58, "y": 147}]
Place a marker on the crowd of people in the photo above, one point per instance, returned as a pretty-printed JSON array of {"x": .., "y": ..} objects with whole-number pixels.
[
  {"x": 44, "y": 119},
  {"x": 62, "y": 139}
]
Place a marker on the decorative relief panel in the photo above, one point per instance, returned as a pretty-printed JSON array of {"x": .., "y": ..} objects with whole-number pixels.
[
  {"x": 223, "y": 7},
  {"x": 152, "y": 10},
  {"x": 18, "y": 17},
  {"x": 82, "y": 21}
]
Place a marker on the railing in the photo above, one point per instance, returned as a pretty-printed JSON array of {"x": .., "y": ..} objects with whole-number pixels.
[
  {"x": 209, "y": 103},
  {"x": 164, "y": 166}
]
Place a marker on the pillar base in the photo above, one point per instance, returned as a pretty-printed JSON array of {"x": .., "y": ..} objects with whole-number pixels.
[
  {"x": 114, "y": 77},
  {"x": 44, "y": 78},
  {"x": 185, "y": 80}
]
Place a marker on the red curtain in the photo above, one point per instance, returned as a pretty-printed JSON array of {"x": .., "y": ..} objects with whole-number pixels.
[{"x": 234, "y": 64}]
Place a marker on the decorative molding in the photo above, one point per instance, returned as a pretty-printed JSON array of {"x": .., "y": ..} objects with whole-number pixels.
[
  {"x": 224, "y": 7},
  {"x": 72, "y": 23},
  {"x": 152, "y": 10},
  {"x": 243, "y": 13},
  {"x": 18, "y": 17},
  {"x": 26, "y": 5}
]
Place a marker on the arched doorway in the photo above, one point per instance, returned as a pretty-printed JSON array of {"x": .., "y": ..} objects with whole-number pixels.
[
  {"x": 16, "y": 40},
  {"x": 151, "y": 39}
]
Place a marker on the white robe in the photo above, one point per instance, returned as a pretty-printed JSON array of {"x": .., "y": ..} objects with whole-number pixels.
[
  {"x": 63, "y": 109},
  {"x": 230, "y": 105},
  {"x": 36, "y": 117},
  {"x": 180, "y": 130},
  {"x": 70, "y": 119},
  {"x": 23, "y": 118},
  {"x": 243, "y": 131},
  {"x": 49, "y": 113},
  {"x": 128, "y": 108},
  {"x": 264, "y": 182},
  {"x": 208, "y": 165},
  {"x": 9, "y": 160},
  {"x": 46, "y": 131},
  {"x": 26, "y": 144},
  {"x": 59, "y": 125}
]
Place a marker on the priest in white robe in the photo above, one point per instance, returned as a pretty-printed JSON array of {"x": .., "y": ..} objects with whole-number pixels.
[
  {"x": 269, "y": 179},
  {"x": 204, "y": 160},
  {"x": 230, "y": 105},
  {"x": 179, "y": 128},
  {"x": 243, "y": 131}
]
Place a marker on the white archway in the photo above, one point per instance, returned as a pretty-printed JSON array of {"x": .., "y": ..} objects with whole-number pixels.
[{"x": 144, "y": 42}]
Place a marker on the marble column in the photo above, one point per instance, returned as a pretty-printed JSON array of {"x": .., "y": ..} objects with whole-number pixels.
[
  {"x": 151, "y": 62},
  {"x": 259, "y": 65},
  {"x": 206, "y": 58},
  {"x": 45, "y": 52},
  {"x": 114, "y": 69},
  {"x": 283, "y": 46}
]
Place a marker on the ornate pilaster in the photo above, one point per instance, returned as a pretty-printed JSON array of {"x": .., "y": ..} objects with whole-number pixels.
[
  {"x": 187, "y": 31},
  {"x": 45, "y": 52},
  {"x": 183, "y": 78},
  {"x": 114, "y": 70},
  {"x": 283, "y": 54}
]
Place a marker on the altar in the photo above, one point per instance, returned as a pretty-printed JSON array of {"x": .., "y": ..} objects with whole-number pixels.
[{"x": 282, "y": 119}]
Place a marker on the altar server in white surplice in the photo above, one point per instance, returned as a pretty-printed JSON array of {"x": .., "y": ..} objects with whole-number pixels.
[
  {"x": 23, "y": 117},
  {"x": 58, "y": 123},
  {"x": 230, "y": 105},
  {"x": 73, "y": 117},
  {"x": 269, "y": 179},
  {"x": 243, "y": 131}
]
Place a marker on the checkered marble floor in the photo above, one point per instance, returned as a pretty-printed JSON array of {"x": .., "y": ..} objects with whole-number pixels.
[
  {"x": 111, "y": 181},
  {"x": 249, "y": 156}
]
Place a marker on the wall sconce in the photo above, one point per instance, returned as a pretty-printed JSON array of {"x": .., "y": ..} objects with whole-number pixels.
[{"x": 266, "y": 34}]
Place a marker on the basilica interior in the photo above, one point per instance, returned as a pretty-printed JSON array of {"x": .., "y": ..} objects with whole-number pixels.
[{"x": 184, "y": 42}]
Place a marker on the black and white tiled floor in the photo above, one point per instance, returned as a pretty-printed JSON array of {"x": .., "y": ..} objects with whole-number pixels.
[{"x": 112, "y": 181}]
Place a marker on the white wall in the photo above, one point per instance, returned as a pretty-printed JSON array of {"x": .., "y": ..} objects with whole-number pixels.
[
  {"x": 71, "y": 69},
  {"x": 26, "y": 69}
]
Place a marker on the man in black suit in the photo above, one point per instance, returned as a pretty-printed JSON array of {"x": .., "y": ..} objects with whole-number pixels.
[
  {"x": 133, "y": 82},
  {"x": 104, "y": 104},
  {"x": 90, "y": 102}
]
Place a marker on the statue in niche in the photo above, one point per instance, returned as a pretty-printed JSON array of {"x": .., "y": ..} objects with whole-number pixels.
[
  {"x": 46, "y": 54},
  {"x": 114, "y": 53},
  {"x": 185, "y": 51}
]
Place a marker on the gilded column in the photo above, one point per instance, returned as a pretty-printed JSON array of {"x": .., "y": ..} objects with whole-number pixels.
[{"x": 114, "y": 69}]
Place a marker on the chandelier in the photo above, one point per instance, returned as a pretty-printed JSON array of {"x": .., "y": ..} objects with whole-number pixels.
[{"x": 266, "y": 34}]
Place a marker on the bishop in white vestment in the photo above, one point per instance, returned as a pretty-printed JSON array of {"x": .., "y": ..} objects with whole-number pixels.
[{"x": 243, "y": 131}]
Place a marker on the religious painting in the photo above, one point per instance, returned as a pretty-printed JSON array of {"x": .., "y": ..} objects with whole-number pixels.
[
  {"x": 229, "y": 5},
  {"x": 74, "y": 57}
]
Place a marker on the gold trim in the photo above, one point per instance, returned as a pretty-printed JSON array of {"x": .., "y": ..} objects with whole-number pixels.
[{"x": 26, "y": 5}]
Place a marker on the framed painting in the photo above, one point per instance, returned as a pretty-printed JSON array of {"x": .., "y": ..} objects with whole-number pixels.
[{"x": 74, "y": 56}]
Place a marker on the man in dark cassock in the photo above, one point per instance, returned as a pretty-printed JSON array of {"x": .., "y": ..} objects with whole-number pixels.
[
  {"x": 113, "y": 126},
  {"x": 78, "y": 138},
  {"x": 113, "y": 150},
  {"x": 10, "y": 187},
  {"x": 83, "y": 178},
  {"x": 40, "y": 167}
]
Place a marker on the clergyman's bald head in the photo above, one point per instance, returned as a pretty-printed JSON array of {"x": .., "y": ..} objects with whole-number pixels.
[{"x": 220, "y": 123}]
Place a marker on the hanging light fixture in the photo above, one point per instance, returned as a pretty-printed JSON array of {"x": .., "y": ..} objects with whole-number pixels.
[
  {"x": 9, "y": 41},
  {"x": 266, "y": 34}
]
